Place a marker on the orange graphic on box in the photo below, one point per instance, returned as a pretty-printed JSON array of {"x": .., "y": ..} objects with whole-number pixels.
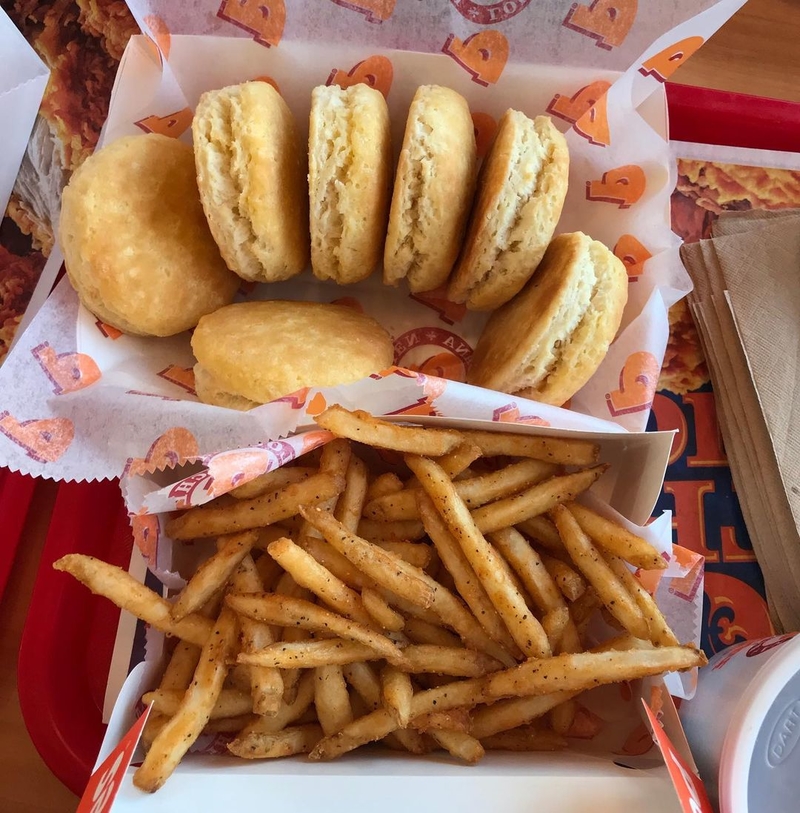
[
  {"x": 633, "y": 254},
  {"x": 146, "y": 533},
  {"x": 623, "y": 186},
  {"x": 606, "y": 21},
  {"x": 586, "y": 725},
  {"x": 159, "y": 34},
  {"x": 637, "y": 385},
  {"x": 44, "y": 441},
  {"x": 171, "y": 449},
  {"x": 109, "y": 331},
  {"x": 264, "y": 19},
  {"x": 68, "y": 372},
  {"x": 483, "y": 55},
  {"x": 572, "y": 108},
  {"x": 663, "y": 64},
  {"x": 375, "y": 71},
  {"x": 376, "y": 11},
  {"x": 492, "y": 13},
  {"x": 230, "y": 469},
  {"x": 485, "y": 128},
  {"x": 173, "y": 125},
  {"x": 180, "y": 376}
]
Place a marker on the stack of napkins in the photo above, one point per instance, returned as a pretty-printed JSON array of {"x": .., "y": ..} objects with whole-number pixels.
[{"x": 746, "y": 303}]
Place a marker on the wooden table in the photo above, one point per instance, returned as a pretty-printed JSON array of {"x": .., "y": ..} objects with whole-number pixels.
[{"x": 756, "y": 52}]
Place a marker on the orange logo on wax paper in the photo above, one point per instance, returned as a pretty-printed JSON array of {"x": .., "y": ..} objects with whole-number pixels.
[
  {"x": 607, "y": 21},
  {"x": 171, "y": 449},
  {"x": 637, "y": 385},
  {"x": 230, "y": 469},
  {"x": 491, "y": 13},
  {"x": 376, "y": 11},
  {"x": 485, "y": 128},
  {"x": 264, "y": 19},
  {"x": 375, "y": 71},
  {"x": 68, "y": 372},
  {"x": 510, "y": 414},
  {"x": 296, "y": 399},
  {"x": 315, "y": 438},
  {"x": 43, "y": 440},
  {"x": 269, "y": 81},
  {"x": 633, "y": 254},
  {"x": 449, "y": 312},
  {"x": 109, "y": 331},
  {"x": 586, "y": 725},
  {"x": 173, "y": 125},
  {"x": 180, "y": 376},
  {"x": 736, "y": 612},
  {"x": 317, "y": 405},
  {"x": 571, "y": 108},
  {"x": 146, "y": 533},
  {"x": 483, "y": 55},
  {"x": 622, "y": 185},
  {"x": 663, "y": 64},
  {"x": 593, "y": 124},
  {"x": 432, "y": 388},
  {"x": 158, "y": 35},
  {"x": 433, "y": 351}
]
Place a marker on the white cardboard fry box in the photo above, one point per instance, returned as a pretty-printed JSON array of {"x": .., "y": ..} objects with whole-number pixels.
[{"x": 598, "y": 68}]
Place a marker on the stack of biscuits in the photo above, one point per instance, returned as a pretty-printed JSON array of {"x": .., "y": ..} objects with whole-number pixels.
[{"x": 157, "y": 237}]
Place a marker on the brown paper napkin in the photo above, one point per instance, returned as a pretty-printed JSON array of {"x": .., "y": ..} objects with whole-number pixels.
[{"x": 746, "y": 304}]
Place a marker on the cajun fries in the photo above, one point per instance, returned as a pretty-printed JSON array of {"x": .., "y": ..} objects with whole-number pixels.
[{"x": 445, "y": 606}]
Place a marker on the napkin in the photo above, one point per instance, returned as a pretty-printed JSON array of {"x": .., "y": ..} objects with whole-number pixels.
[{"x": 746, "y": 303}]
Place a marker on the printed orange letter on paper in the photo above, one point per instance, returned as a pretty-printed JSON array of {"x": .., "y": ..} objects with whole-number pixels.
[
  {"x": 264, "y": 19},
  {"x": 666, "y": 62},
  {"x": 375, "y": 71},
  {"x": 43, "y": 440},
  {"x": 623, "y": 186},
  {"x": 376, "y": 11},
  {"x": 483, "y": 55},
  {"x": 637, "y": 385},
  {"x": 607, "y": 21},
  {"x": 68, "y": 372},
  {"x": 571, "y": 108},
  {"x": 633, "y": 254},
  {"x": 173, "y": 125}
]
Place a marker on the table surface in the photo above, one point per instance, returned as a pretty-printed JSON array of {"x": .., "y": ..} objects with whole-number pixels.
[{"x": 755, "y": 52}]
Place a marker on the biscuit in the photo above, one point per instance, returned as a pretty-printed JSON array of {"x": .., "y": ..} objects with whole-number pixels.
[
  {"x": 254, "y": 352},
  {"x": 433, "y": 190},
  {"x": 349, "y": 179},
  {"x": 521, "y": 192},
  {"x": 251, "y": 175},
  {"x": 136, "y": 243},
  {"x": 548, "y": 341}
]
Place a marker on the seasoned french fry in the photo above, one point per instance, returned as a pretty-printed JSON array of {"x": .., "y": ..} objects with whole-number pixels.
[
  {"x": 383, "y": 484},
  {"x": 562, "y": 717},
  {"x": 364, "y": 428},
  {"x": 272, "y": 481},
  {"x": 396, "y": 693},
  {"x": 535, "y": 500},
  {"x": 415, "y": 553},
  {"x": 583, "y": 608},
  {"x": 567, "y": 452},
  {"x": 460, "y": 745},
  {"x": 178, "y": 734},
  {"x": 460, "y": 459},
  {"x": 370, "y": 728},
  {"x": 209, "y": 520},
  {"x": 122, "y": 589},
  {"x": 267, "y": 535},
  {"x": 288, "y": 712},
  {"x": 452, "y": 720},
  {"x": 287, "y": 611},
  {"x": 526, "y": 738},
  {"x": 489, "y": 567},
  {"x": 332, "y": 560},
  {"x": 375, "y": 531},
  {"x": 615, "y": 539},
  {"x": 230, "y": 703},
  {"x": 213, "y": 574},
  {"x": 609, "y": 588},
  {"x": 309, "y": 573},
  {"x": 421, "y": 632},
  {"x": 310, "y": 654},
  {"x": 286, "y": 743},
  {"x": 543, "y": 531},
  {"x": 571, "y": 584},
  {"x": 227, "y": 725},
  {"x": 351, "y": 502},
  {"x": 331, "y": 699},
  {"x": 455, "y": 661},
  {"x": 509, "y": 714},
  {"x": 269, "y": 571},
  {"x": 381, "y": 613}
]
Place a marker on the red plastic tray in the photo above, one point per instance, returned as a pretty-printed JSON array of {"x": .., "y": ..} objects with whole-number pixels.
[
  {"x": 16, "y": 493},
  {"x": 69, "y": 635}
]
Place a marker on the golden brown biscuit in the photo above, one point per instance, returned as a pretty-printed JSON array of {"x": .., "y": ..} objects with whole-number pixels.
[
  {"x": 521, "y": 191},
  {"x": 253, "y": 352},
  {"x": 349, "y": 178},
  {"x": 136, "y": 243},
  {"x": 433, "y": 190},
  {"x": 251, "y": 175},
  {"x": 548, "y": 341}
]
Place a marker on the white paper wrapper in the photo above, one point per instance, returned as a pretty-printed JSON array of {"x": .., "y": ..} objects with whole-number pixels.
[{"x": 79, "y": 400}]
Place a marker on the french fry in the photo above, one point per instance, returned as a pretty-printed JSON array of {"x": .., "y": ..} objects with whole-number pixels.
[
  {"x": 567, "y": 452},
  {"x": 374, "y": 531},
  {"x": 659, "y": 632},
  {"x": 543, "y": 531},
  {"x": 178, "y": 734},
  {"x": 286, "y": 611},
  {"x": 609, "y": 588},
  {"x": 381, "y": 613},
  {"x": 331, "y": 699},
  {"x": 310, "y": 654},
  {"x": 535, "y": 500},
  {"x": 288, "y": 712},
  {"x": 272, "y": 481},
  {"x": 383, "y": 484},
  {"x": 230, "y": 703},
  {"x": 209, "y": 520},
  {"x": 452, "y": 720},
  {"x": 332, "y": 560},
  {"x": 415, "y": 553},
  {"x": 489, "y": 567},
  {"x": 351, "y": 502},
  {"x": 583, "y": 608},
  {"x": 227, "y": 725},
  {"x": 571, "y": 584},
  {"x": 370, "y": 728},
  {"x": 421, "y": 632},
  {"x": 562, "y": 717},
  {"x": 507, "y": 715},
  {"x": 309, "y": 573},
  {"x": 460, "y": 745},
  {"x": 460, "y": 459},
  {"x": 615, "y": 539},
  {"x": 380, "y": 565},
  {"x": 122, "y": 589},
  {"x": 286, "y": 743},
  {"x": 455, "y": 661},
  {"x": 269, "y": 571},
  {"x": 525, "y": 739},
  {"x": 466, "y": 582},
  {"x": 396, "y": 693},
  {"x": 364, "y": 428},
  {"x": 213, "y": 574},
  {"x": 267, "y": 535}
]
